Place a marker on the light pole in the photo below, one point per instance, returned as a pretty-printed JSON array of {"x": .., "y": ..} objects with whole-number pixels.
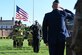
[
  {"x": 14, "y": 9},
  {"x": 33, "y": 11}
]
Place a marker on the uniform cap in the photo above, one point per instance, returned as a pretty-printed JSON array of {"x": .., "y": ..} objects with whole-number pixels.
[
  {"x": 19, "y": 22},
  {"x": 56, "y": 1},
  {"x": 16, "y": 21}
]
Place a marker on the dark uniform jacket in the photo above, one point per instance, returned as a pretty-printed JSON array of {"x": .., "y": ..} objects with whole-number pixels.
[
  {"x": 54, "y": 25},
  {"x": 36, "y": 31}
]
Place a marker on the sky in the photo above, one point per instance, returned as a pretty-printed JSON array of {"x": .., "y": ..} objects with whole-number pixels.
[{"x": 7, "y": 8}]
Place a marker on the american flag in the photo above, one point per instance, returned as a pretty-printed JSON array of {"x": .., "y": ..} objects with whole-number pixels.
[{"x": 21, "y": 14}]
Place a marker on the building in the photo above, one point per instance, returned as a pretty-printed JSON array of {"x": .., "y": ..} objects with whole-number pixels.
[{"x": 6, "y": 27}]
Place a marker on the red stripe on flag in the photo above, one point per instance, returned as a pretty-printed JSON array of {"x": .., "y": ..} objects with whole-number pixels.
[{"x": 21, "y": 14}]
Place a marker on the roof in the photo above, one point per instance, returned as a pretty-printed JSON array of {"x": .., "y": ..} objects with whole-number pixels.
[{"x": 6, "y": 22}]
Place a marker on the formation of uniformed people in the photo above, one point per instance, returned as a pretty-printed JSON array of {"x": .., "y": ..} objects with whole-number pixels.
[
  {"x": 18, "y": 34},
  {"x": 32, "y": 34},
  {"x": 54, "y": 31}
]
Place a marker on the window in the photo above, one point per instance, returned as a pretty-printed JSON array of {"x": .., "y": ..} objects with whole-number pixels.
[
  {"x": 9, "y": 26},
  {"x": 4, "y": 26}
]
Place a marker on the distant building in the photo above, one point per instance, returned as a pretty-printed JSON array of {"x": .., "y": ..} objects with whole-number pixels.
[{"x": 6, "y": 27}]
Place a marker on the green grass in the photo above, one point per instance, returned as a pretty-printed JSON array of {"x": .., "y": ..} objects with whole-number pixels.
[{"x": 6, "y": 48}]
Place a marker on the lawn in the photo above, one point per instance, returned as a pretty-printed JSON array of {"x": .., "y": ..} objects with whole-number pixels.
[{"x": 6, "y": 48}]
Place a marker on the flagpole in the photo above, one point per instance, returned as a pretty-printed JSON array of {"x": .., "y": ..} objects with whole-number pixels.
[
  {"x": 33, "y": 11},
  {"x": 14, "y": 10}
]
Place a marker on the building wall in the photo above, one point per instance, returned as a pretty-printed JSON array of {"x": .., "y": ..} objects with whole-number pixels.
[
  {"x": 6, "y": 27},
  {"x": 5, "y": 33},
  {"x": 0, "y": 33}
]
